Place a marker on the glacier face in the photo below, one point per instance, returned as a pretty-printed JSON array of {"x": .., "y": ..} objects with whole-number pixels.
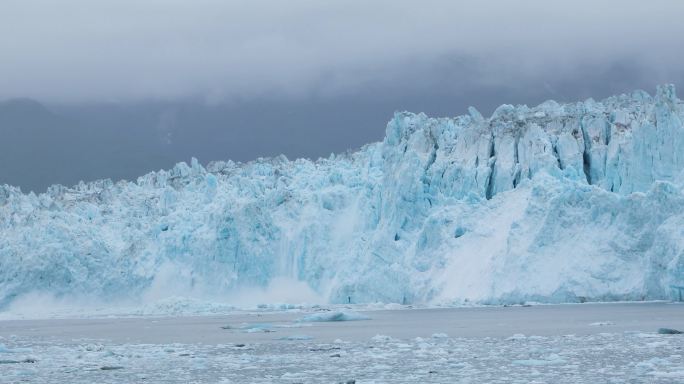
[{"x": 556, "y": 203}]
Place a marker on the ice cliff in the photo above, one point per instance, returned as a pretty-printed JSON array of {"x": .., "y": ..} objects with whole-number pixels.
[{"x": 556, "y": 203}]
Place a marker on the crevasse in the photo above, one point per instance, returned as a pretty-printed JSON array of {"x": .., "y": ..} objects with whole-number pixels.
[{"x": 556, "y": 203}]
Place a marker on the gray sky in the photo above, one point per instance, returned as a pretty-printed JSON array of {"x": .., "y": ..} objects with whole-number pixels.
[{"x": 242, "y": 79}]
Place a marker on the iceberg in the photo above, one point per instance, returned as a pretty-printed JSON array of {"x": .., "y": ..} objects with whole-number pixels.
[
  {"x": 555, "y": 203},
  {"x": 333, "y": 316}
]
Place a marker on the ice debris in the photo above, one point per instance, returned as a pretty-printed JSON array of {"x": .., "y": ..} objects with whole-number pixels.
[
  {"x": 669, "y": 331},
  {"x": 296, "y": 337},
  {"x": 602, "y": 324},
  {"x": 334, "y": 316}
]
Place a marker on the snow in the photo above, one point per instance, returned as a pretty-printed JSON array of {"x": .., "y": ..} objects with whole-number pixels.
[{"x": 555, "y": 203}]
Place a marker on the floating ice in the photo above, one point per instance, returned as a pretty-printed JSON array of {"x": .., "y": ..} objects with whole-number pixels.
[
  {"x": 583, "y": 359},
  {"x": 602, "y": 324},
  {"x": 539, "y": 362},
  {"x": 257, "y": 327},
  {"x": 517, "y": 336},
  {"x": 669, "y": 331},
  {"x": 382, "y": 338},
  {"x": 296, "y": 337},
  {"x": 334, "y": 316},
  {"x": 4, "y": 349}
]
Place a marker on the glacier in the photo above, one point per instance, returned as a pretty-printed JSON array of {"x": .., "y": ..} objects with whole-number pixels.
[{"x": 555, "y": 203}]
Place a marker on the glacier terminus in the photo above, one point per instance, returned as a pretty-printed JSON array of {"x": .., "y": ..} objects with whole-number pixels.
[{"x": 555, "y": 203}]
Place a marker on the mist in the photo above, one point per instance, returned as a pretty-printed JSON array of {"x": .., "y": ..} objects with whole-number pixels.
[{"x": 118, "y": 89}]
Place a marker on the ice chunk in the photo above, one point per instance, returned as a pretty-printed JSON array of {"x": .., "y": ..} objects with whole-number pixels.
[
  {"x": 517, "y": 336},
  {"x": 602, "y": 323},
  {"x": 296, "y": 337},
  {"x": 334, "y": 316},
  {"x": 669, "y": 331},
  {"x": 4, "y": 349},
  {"x": 257, "y": 327},
  {"x": 383, "y": 338}
]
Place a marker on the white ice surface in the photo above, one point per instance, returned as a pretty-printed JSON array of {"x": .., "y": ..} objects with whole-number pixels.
[{"x": 554, "y": 203}]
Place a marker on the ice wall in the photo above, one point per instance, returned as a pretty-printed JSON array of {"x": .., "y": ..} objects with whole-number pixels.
[{"x": 554, "y": 203}]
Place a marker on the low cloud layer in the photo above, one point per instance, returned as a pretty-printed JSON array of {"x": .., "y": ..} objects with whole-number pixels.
[
  {"x": 222, "y": 51},
  {"x": 125, "y": 87}
]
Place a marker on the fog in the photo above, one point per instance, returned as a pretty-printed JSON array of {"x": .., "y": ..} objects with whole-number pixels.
[{"x": 128, "y": 87}]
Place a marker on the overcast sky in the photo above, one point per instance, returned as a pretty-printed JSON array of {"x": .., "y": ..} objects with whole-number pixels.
[
  {"x": 366, "y": 58},
  {"x": 84, "y": 51}
]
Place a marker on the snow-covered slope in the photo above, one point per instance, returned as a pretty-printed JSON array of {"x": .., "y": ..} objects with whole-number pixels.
[{"x": 556, "y": 203}]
